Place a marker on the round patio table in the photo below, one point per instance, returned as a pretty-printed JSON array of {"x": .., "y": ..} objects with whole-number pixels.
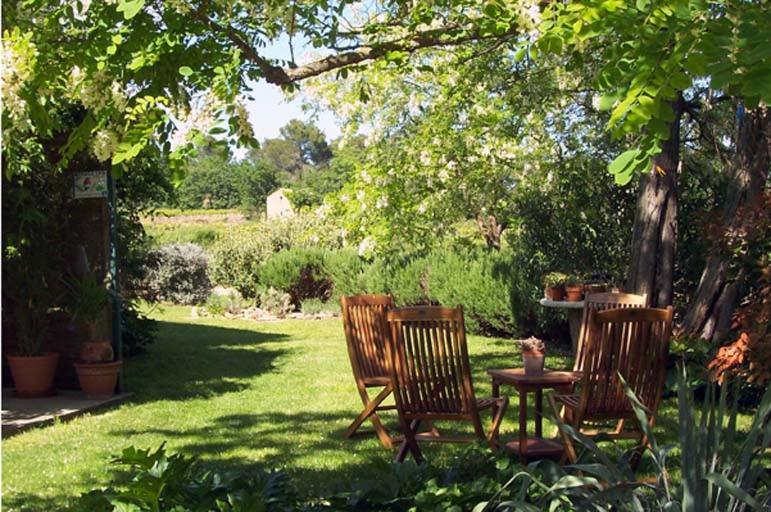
[
  {"x": 575, "y": 310},
  {"x": 534, "y": 446}
]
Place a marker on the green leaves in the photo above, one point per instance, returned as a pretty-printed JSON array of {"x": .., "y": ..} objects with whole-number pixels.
[
  {"x": 185, "y": 71},
  {"x": 625, "y": 165},
  {"x": 130, "y": 8}
]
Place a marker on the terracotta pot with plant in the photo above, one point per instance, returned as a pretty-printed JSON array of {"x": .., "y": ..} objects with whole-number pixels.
[
  {"x": 533, "y": 355},
  {"x": 554, "y": 283},
  {"x": 28, "y": 276},
  {"x": 574, "y": 289},
  {"x": 597, "y": 282},
  {"x": 97, "y": 372}
]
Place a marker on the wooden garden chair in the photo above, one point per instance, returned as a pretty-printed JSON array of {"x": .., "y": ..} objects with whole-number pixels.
[
  {"x": 432, "y": 377},
  {"x": 602, "y": 302},
  {"x": 366, "y": 333},
  {"x": 633, "y": 342}
]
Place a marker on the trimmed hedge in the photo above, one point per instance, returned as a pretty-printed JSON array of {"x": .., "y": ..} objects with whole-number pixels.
[{"x": 485, "y": 283}]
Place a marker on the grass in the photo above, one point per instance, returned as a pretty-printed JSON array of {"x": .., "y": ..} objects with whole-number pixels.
[
  {"x": 204, "y": 235},
  {"x": 179, "y": 212},
  {"x": 239, "y": 394}
]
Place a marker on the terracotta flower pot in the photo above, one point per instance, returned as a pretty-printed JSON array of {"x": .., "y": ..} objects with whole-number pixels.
[
  {"x": 574, "y": 292},
  {"x": 594, "y": 288},
  {"x": 555, "y": 293},
  {"x": 98, "y": 380},
  {"x": 33, "y": 376},
  {"x": 533, "y": 362}
]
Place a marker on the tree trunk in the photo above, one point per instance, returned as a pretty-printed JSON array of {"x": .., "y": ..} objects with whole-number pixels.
[
  {"x": 651, "y": 269},
  {"x": 709, "y": 312},
  {"x": 491, "y": 230}
]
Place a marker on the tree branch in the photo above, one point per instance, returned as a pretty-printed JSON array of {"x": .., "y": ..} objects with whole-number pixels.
[
  {"x": 445, "y": 36},
  {"x": 428, "y": 39}
]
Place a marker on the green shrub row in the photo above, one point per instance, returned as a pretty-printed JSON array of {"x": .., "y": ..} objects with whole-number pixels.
[{"x": 480, "y": 281}]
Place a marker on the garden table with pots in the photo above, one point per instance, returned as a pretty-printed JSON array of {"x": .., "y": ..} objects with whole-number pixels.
[
  {"x": 574, "y": 310},
  {"x": 536, "y": 447}
]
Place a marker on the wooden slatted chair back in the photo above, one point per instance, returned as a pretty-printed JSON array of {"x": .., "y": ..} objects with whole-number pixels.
[
  {"x": 633, "y": 342},
  {"x": 366, "y": 333},
  {"x": 600, "y": 302},
  {"x": 431, "y": 373}
]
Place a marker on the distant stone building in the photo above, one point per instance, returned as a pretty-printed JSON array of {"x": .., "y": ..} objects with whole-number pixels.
[{"x": 278, "y": 205}]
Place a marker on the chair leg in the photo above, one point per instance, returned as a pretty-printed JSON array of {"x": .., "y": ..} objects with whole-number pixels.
[
  {"x": 410, "y": 444},
  {"x": 370, "y": 407},
  {"x": 569, "y": 454},
  {"x": 498, "y": 412}
]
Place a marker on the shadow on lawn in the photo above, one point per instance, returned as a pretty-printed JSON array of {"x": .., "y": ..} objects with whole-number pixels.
[
  {"x": 199, "y": 361},
  {"x": 33, "y": 503},
  {"x": 284, "y": 441}
]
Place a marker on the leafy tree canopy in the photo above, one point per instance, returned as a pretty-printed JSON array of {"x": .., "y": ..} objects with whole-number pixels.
[{"x": 170, "y": 71}]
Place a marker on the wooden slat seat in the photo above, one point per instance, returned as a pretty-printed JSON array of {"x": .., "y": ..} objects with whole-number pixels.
[
  {"x": 377, "y": 381},
  {"x": 431, "y": 376},
  {"x": 632, "y": 343},
  {"x": 366, "y": 334}
]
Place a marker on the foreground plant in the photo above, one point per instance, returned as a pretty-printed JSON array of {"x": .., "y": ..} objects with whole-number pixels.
[
  {"x": 160, "y": 481},
  {"x": 717, "y": 472}
]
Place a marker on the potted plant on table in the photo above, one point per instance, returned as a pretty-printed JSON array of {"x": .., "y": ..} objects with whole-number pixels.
[
  {"x": 97, "y": 372},
  {"x": 533, "y": 355},
  {"x": 554, "y": 283},
  {"x": 574, "y": 289}
]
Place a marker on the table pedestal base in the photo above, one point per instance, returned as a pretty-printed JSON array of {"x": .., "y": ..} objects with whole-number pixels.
[{"x": 537, "y": 448}]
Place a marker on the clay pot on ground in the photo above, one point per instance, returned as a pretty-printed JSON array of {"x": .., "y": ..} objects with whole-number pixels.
[
  {"x": 98, "y": 380},
  {"x": 533, "y": 362},
  {"x": 555, "y": 293},
  {"x": 574, "y": 292},
  {"x": 33, "y": 376}
]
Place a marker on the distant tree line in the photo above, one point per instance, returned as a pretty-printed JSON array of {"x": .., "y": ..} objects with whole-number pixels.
[{"x": 300, "y": 159}]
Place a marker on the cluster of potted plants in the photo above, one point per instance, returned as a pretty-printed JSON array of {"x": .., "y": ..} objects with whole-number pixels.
[
  {"x": 32, "y": 366},
  {"x": 572, "y": 287},
  {"x": 533, "y": 355}
]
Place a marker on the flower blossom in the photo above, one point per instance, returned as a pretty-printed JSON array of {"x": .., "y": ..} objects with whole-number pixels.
[{"x": 104, "y": 144}]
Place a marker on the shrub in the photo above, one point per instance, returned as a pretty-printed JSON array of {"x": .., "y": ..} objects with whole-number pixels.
[
  {"x": 476, "y": 280},
  {"x": 316, "y": 306},
  {"x": 225, "y": 301},
  {"x": 346, "y": 271},
  {"x": 298, "y": 272},
  {"x": 177, "y": 273},
  {"x": 472, "y": 281},
  {"x": 276, "y": 302},
  {"x": 137, "y": 330},
  {"x": 238, "y": 254},
  {"x": 407, "y": 283}
]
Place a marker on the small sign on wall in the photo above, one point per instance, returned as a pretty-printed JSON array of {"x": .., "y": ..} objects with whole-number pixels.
[{"x": 89, "y": 184}]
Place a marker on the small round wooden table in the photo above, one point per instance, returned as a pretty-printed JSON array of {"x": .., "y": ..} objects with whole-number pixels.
[{"x": 536, "y": 446}]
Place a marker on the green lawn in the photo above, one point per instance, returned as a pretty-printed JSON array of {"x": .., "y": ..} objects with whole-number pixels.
[{"x": 239, "y": 394}]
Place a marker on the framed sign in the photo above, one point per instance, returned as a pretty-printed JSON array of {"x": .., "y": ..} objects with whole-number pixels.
[{"x": 89, "y": 184}]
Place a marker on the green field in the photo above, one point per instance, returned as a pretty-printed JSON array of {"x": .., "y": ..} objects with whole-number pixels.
[{"x": 238, "y": 394}]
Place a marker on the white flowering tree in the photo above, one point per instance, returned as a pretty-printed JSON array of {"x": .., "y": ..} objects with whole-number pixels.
[{"x": 113, "y": 76}]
